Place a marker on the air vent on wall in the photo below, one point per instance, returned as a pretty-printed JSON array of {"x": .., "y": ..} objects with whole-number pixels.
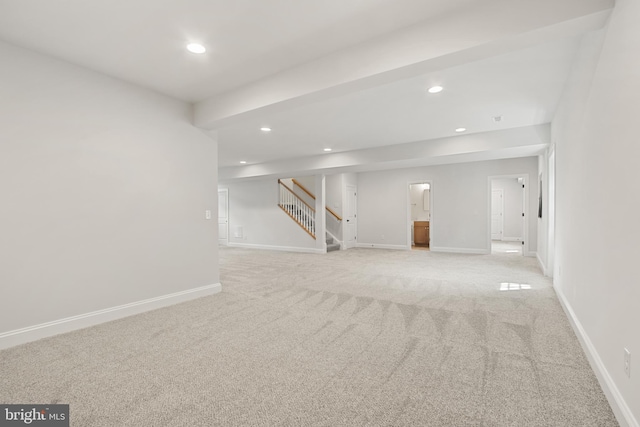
[{"x": 497, "y": 119}]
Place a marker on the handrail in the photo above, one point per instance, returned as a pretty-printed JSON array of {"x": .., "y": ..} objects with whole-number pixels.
[
  {"x": 338, "y": 217},
  {"x": 293, "y": 192},
  {"x": 302, "y": 187}
]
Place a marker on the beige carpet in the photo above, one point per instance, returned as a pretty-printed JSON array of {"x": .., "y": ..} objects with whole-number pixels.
[{"x": 351, "y": 338}]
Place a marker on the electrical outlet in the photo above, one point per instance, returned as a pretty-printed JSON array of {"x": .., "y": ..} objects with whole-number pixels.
[
  {"x": 627, "y": 362},
  {"x": 207, "y": 214}
]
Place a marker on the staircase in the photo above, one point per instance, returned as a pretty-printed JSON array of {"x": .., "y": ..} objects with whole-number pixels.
[
  {"x": 297, "y": 209},
  {"x": 332, "y": 245},
  {"x": 303, "y": 214}
]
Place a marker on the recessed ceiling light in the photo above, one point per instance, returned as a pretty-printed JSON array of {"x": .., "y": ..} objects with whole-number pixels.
[
  {"x": 196, "y": 48},
  {"x": 327, "y": 149},
  {"x": 435, "y": 89},
  {"x": 461, "y": 129},
  {"x": 265, "y": 129},
  {"x": 243, "y": 162}
]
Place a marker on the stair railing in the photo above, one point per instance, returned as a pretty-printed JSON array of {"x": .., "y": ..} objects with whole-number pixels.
[
  {"x": 310, "y": 194},
  {"x": 297, "y": 209}
]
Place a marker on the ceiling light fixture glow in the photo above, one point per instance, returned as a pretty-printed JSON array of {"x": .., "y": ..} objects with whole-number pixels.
[
  {"x": 243, "y": 162},
  {"x": 327, "y": 149},
  {"x": 461, "y": 130},
  {"x": 265, "y": 129},
  {"x": 435, "y": 89},
  {"x": 196, "y": 48}
]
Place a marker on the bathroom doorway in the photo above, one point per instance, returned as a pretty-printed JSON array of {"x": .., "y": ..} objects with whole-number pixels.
[{"x": 419, "y": 215}]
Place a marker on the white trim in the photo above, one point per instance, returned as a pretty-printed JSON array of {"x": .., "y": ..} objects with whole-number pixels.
[
  {"x": 616, "y": 401},
  {"x": 276, "y": 248},
  {"x": 512, "y": 239},
  {"x": 68, "y": 324},
  {"x": 379, "y": 246},
  {"x": 542, "y": 266},
  {"x": 460, "y": 250}
]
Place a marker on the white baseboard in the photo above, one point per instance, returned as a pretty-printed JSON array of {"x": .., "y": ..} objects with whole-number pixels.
[
  {"x": 382, "y": 246},
  {"x": 276, "y": 248},
  {"x": 460, "y": 250},
  {"x": 68, "y": 324},
  {"x": 616, "y": 401},
  {"x": 542, "y": 266}
]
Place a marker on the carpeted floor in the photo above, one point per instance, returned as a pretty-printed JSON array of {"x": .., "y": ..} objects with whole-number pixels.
[{"x": 351, "y": 338}]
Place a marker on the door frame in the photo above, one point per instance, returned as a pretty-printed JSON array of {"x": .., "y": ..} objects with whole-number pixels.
[
  {"x": 408, "y": 214},
  {"x": 525, "y": 223}
]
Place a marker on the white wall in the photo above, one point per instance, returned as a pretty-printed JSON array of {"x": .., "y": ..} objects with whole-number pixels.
[
  {"x": 513, "y": 201},
  {"x": 350, "y": 179},
  {"x": 104, "y": 187},
  {"x": 308, "y": 182},
  {"x": 253, "y": 206},
  {"x": 460, "y": 204},
  {"x": 597, "y": 201}
]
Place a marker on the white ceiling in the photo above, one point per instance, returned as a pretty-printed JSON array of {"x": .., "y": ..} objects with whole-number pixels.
[
  {"x": 523, "y": 87},
  {"x": 142, "y": 41},
  {"x": 346, "y": 74}
]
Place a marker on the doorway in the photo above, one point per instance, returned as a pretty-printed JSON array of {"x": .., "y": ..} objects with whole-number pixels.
[
  {"x": 507, "y": 217},
  {"x": 419, "y": 215}
]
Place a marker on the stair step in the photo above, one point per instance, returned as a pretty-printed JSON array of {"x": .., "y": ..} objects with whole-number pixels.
[{"x": 333, "y": 247}]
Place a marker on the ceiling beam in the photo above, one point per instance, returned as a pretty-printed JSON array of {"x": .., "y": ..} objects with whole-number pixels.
[
  {"x": 419, "y": 49},
  {"x": 510, "y": 143}
]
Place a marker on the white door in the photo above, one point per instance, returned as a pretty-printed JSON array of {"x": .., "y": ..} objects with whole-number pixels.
[
  {"x": 497, "y": 214},
  {"x": 351, "y": 225},
  {"x": 223, "y": 216}
]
